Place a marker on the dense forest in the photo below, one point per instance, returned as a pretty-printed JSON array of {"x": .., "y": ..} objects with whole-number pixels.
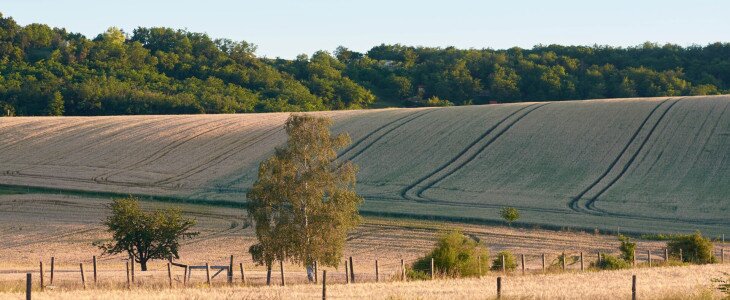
[{"x": 51, "y": 71}]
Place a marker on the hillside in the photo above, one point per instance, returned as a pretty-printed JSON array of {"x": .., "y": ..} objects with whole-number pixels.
[
  {"x": 644, "y": 164},
  {"x": 158, "y": 70}
]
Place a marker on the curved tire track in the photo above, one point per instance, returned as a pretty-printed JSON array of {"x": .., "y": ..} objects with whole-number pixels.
[
  {"x": 574, "y": 204},
  {"x": 454, "y": 166}
]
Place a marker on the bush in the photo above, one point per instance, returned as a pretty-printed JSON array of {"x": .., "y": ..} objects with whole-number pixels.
[
  {"x": 510, "y": 262},
  {"x": 695, "y": 248},
  {"x": 627, "y": 248},
  {"x": 610, "y": 262},
  {"x": 509, "y": 214},
  {"x": 455, "y": 255}
]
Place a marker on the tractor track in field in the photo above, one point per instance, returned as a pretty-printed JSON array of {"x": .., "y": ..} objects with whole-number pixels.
[
  {"x": 400, "y": 121},
  {"x": 454, "y": 164},
  {"x": 223, "y": 156},
  {"x": 574, "y": 204},
  {"x": 159, "y": 153},
  {"x": 410, "y": 118}
]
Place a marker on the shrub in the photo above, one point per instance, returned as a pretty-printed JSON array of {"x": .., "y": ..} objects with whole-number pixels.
[
  {"x": 435, "y": 101},
  {"x": 455, "y": 255},
  {"x": 510, "y": 214},
  {"x": 557, "y": 263},
  {"x": 695, "y": 248},
  {"x": 627, "y": 248},
  {"x": 610, "y": 262},
  {"x": 510, "y": 262}
]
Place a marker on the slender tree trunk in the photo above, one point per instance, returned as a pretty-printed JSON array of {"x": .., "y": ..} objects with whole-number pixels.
[
  {"x": 143, "y": 264},
  {"x": 268, "y": 274}
]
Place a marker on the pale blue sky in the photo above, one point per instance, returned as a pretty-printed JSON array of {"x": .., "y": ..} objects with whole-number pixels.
[{"x": 286, "y": 28}]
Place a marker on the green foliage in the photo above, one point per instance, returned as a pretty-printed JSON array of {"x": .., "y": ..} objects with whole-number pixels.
[
  {"x": 510, "y": 262},
  {"x": 509, "y": 214},
  {"x": 435, "y": 101},
  {"x": 143, "y": 235},
  {"x": 627, "y": 248},
  {"x": 696, "y": 248},
  {"x": 610, "y": 262},
  {"x": 455, "y": 255},
  {"x": 165, "y": 71},
  {"x": 304, "y": 204}
]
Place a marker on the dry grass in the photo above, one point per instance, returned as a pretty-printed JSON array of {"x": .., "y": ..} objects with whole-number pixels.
[{"x": 693, "y": 282}]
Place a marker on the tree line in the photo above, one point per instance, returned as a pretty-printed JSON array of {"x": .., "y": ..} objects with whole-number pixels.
[{"x": 51, "y": 71}]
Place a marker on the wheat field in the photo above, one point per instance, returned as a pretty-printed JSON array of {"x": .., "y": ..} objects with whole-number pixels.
[{"x": 646, "y": 165}]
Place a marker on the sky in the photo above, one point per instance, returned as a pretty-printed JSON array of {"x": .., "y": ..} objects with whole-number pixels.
[{"x": 286, "y": 28}]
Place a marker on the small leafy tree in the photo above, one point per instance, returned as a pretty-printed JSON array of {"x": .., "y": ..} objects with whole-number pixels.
[
  {"x": 510, "y": 263},
  {"x": 455, "y": 255},
  {"x": 627, "y": 248},
  {"x": 303, "y": 203},
  {"x": 695, "y": 248},
  {"x": 145, "y": 235},
  {"x": 509, "y": 214}
]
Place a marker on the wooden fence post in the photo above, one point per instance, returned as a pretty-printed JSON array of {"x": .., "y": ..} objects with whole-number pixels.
[
  {"x": 666, "y": 254},
  {"x": 522, "y": 257},
  {"x": 504, "y": 266},
  {"x": 128, "y": 282},
  {"x": 432, "y": 270},
  {"x": 94, "y": 260},
  {"x": 543, "y": 262},
  {"x": 347, "y": 273},
  {"x": 377, "y": 272},
  {"x": 316, "y": 272},
  {"x": 243, "y": 275},
  {"x": 53, "y": 261},
  {"x": 83, "y": 280},
  {"x": 281, "y": 267},
  {"x": 131, "y": 263},
  {"x": 599, "y": 258},
  {"x": 41, "y": 265},
  {"x": 207, "y": 273},
  {"x": 402, "y": 270},
  {"x": 633, "y": 261},
  {"x": 185, "y": 276},
  {"x": 352, "y": 271},
  {"x": 324, "y": 285},
  {"x": 648, "y": 255},
  {"x": 28, "y": 285},
  {"x": 633, "y": 287},
  {"x": 479, "y": 264},
  {"x": 230, "y": 271},
  {"x": 563, "y": 259},
  {"x": 169, "y": 274},
  {"x": 722, "y": 255},
  {"x": 581, "y": 261},
  {"x": 499, "y": 287}
]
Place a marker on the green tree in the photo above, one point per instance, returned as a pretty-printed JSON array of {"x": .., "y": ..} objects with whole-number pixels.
[
  {"x": 145, "y": 235},
  {"x": 627, "y": 248},
  {"x": 455, "y": 255},
  {"x": 509, "y": 214},
  {"x": 303, "y": 203},
  {"x": 695, "y": 248}
]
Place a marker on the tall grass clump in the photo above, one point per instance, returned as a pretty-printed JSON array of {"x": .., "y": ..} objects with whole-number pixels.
[
  {"x": 696, "y": 248},
  {"x": 628, "y": 248},
  {"x": 510, "y": 263},
  {"x": 455, "y": 255},
  {"x": 610, "y": 262}
]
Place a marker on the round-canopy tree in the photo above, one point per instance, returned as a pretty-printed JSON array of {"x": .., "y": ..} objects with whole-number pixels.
[
  {"x": 304, "y": 203},
  {"x": 145, "y": 235}
]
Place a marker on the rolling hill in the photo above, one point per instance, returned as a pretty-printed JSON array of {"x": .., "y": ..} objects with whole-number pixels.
[{"x": 644, "y": 164}]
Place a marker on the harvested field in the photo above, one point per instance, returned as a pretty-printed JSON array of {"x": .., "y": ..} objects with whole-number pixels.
[{"x": 645, "y": 165}]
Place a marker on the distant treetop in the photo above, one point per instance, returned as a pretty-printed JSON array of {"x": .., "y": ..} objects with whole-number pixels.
[{"x": 50, "y": 71}]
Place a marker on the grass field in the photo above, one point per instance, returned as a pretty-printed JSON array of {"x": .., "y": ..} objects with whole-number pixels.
[{"x": 646, "y": 165}]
